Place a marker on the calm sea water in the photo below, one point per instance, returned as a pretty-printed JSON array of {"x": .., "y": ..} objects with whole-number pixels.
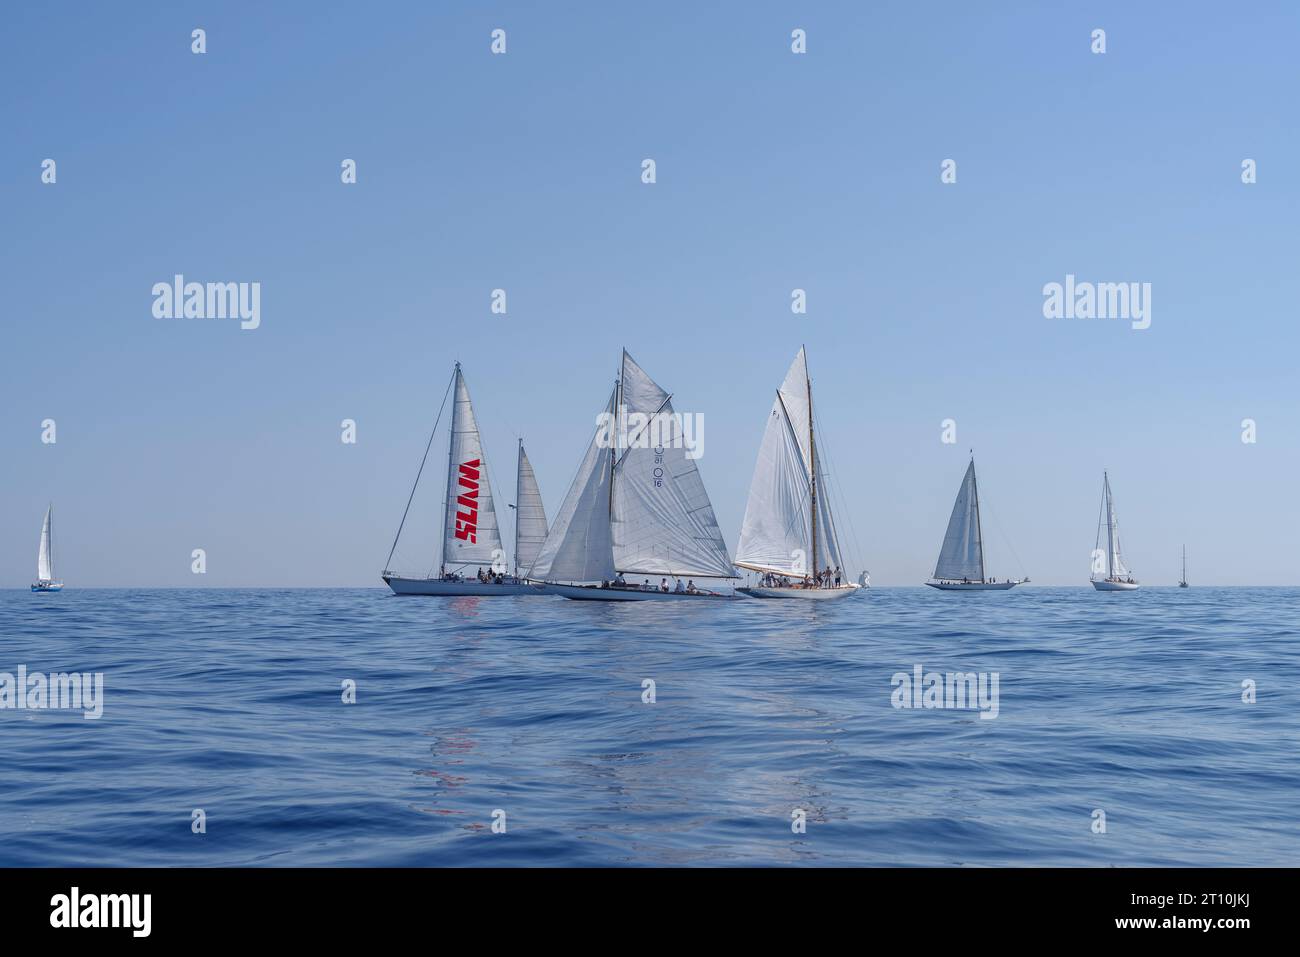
[{"x": 230, "y": 701}]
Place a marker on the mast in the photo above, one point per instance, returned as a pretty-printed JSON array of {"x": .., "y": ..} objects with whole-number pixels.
[
  {"x": 614, "y": 437},
  {"x": 1184, "y": 579},
  {"x": 812, "y": 454},
  {"x": 519, "y": 476},
  {"x": 1110, "y": 528},
  {"x": 446, "y": 496},
  {"x": 979, "y": 529}
]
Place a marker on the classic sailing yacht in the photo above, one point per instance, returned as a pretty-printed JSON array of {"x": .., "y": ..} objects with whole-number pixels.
[
  {"x": 788, "y": 535},
  {"x": 636, "y": 508},
  {"x": 1118, "y": 577},
  {"x": 961, "y": 559},
  {"x": 1182, "y": 582},
  {"x": 472, "y": 560},
  {"x": 45, "y": 580}
]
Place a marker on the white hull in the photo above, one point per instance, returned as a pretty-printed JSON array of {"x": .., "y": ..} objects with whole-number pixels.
[
  {"x": 972, "y": 586},
  {"x": 48, "y": 586},
  {"x": 596, "y": 593},
  {"x": 807, "y": 594},
  {"x": 1115, "y": 586},
  {"x": 472, "y": 587}
]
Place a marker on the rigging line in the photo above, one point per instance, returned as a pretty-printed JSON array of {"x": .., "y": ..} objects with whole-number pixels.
[
  {"x": 1096, "y": 546},
  {"x": 1006, "y": 539},
  {"x": 424, "y": 459},
  {"x": 842, "y": 501}
]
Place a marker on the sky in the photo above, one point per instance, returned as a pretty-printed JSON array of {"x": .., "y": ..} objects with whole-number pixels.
[{"x": 522, "y": 171}]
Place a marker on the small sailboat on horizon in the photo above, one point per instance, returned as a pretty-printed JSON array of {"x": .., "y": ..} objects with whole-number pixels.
[
  {"x": 788, "y": 525},
  {"x": 1182, "y": 582},
  {"x": 45, "y": 580},
  {"x": 961, "y": 557},
  {"x": 636, "y": 507},
  {"x": 470, "y": 533},
  {"x": 1117, "y": 574}
]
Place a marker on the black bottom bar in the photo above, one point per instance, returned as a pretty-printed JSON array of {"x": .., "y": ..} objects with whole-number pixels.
[{"x": 331, "y": 906}]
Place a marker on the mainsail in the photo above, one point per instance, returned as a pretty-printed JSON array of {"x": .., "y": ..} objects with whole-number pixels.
[
  {"x": 662, "y": 521},
  {"x": 962, "y": 555},
  {"x": 638, "y": 503},
  {"x": 777, "y": 533},
  {"x": 530, "y": 515},
  {"x": 470, "y": 533},
  {"x": 1115, "y": 567},
  {"x": 45, "y": 559}
]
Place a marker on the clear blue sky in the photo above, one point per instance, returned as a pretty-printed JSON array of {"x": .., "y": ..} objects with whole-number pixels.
[{"x": 522, "y": 171}]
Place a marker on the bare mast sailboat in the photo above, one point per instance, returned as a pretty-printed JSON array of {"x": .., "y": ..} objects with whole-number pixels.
[
  {"x": 961, "y": 558},
  {"x": 788, "y": 535},
  {"x": 1117, "y": 576},
  {"x": 636, "y": 509},
  {"x": 1182, "y": 582},
  {"x": 472, "y": 561},
  {"x": 45, "y": 580}
]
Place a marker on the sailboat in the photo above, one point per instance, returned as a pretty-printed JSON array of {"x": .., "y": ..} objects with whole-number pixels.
[
  {"x": 45, "y": 580},
  {"x": 636, "y": 508},
  {"x": 1118, "y": 577},
  {"x": 788, "y": 535},
  {"x": 471, "y": 538},
  {"x": 961, "y": 558},
  {"x": 1182, "y": 582}
]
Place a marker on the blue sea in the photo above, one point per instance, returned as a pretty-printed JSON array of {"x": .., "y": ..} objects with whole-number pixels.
[{"x": 765, "y": 713}]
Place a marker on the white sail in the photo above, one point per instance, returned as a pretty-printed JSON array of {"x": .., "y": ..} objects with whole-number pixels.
[
  {"x": 962, "y": 555},
  {"x": 776, "y": 535},
  {"x": 530, "y": 515},
  {"x": 663, "y": 522},
  {"x": 45, "y": 558},
  {"x": 579, "y": 547},
  {"x": 1115, "y": 567},
  {"x": 470, "y": 531}
]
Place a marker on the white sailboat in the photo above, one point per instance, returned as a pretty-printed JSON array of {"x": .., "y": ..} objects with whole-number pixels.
[
  {"x": 961, "y": 558},
  {"x": 1182, "y": 582},
  {"x": 788, "y": 535},
  {"x": 636, "y": 508},
  {"x": 1117, "y": 575},
  {"x": 472, "y": 561},
  {"x": 45, "y": 580}
]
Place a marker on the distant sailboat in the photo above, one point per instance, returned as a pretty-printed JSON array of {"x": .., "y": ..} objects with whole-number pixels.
[
  {"x": 1182, "y": 582},
  {"x": 1117, "y": 577},
  {"x": 788, "y": 535},
  {"x": 961, "y": 559},
  {"x": 635, "y": 508},
  {"x": 471, "y": 537},
  {"x": 45, "y": 580}
]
